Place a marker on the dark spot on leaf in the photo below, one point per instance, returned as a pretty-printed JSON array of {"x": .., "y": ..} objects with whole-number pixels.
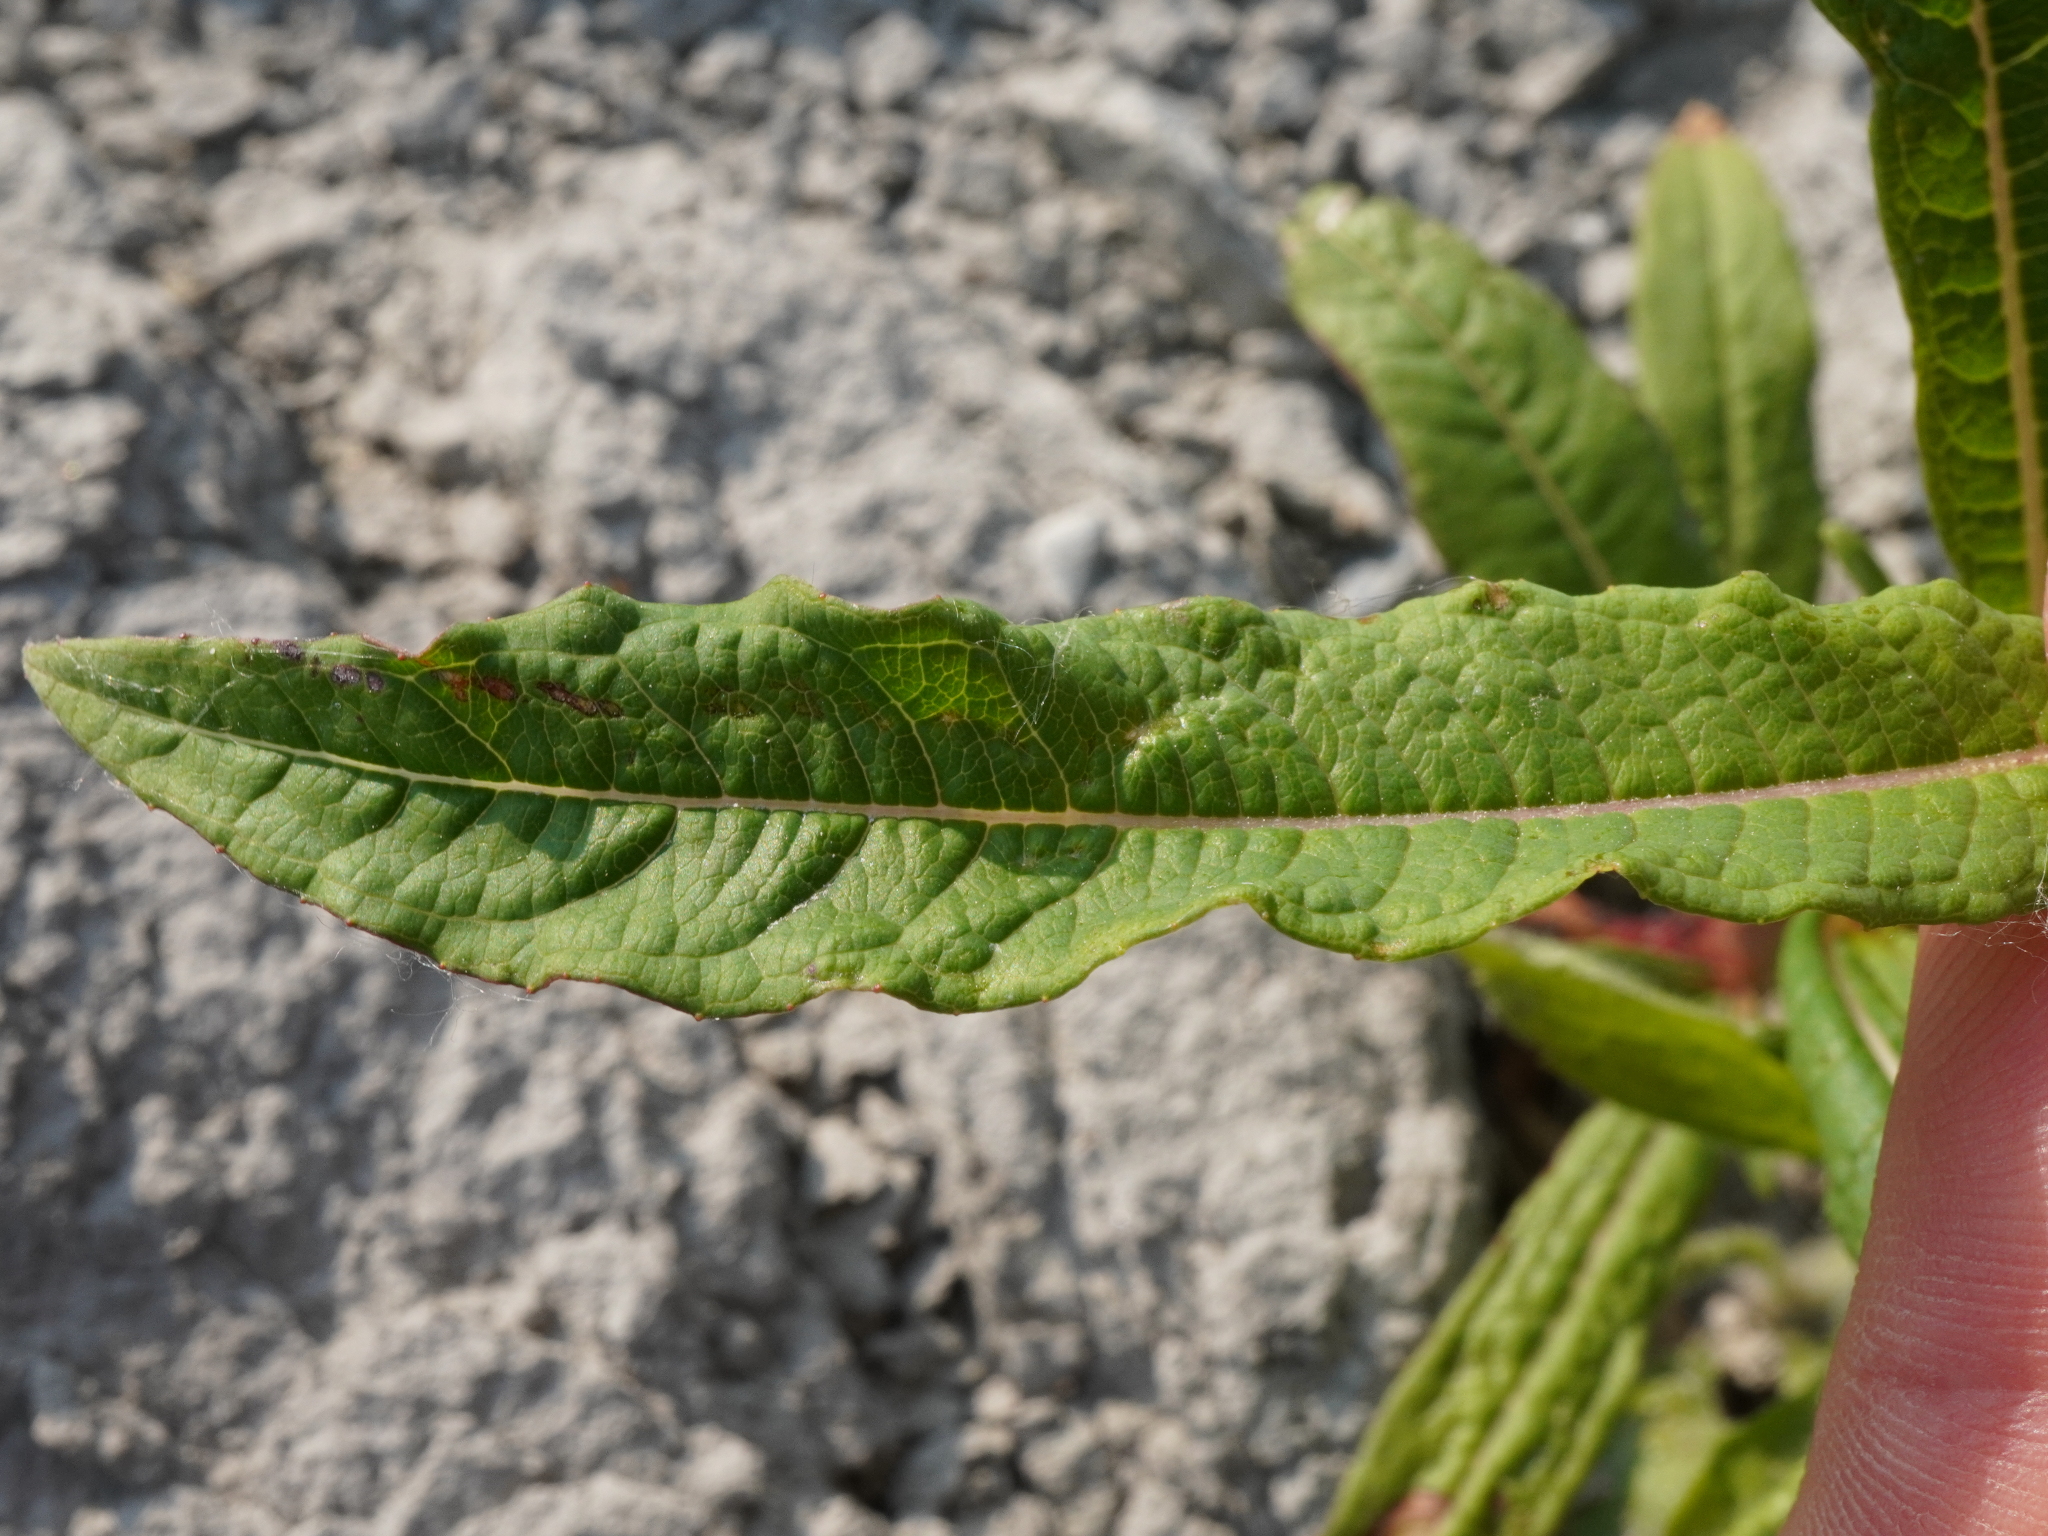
[
  {"x": 578, "y": 702},
  {"x": 288, "y": 649},
  {"x": 1497, "y": 597},
  {"x": 346, "y": 676},
  {"x": 498, "y": 688},
  {"x": 458, "y": 684},
  {"x": 374, "y": 681},
  {"x": 730, "y": 703}
]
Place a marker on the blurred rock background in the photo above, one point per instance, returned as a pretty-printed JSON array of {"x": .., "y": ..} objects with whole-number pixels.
[{"x": 381, "y": 316}]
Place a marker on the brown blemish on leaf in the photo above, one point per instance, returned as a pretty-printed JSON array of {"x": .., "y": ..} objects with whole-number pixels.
[
  {"x": 374, "y": 681},
  {"x": 498, "y": 688},
  {"x": 346, "y": 676},
  {"x": 577, "y": 702},
  {"x": 458, "y": 684},
  {"x": 728, "y": 702},
  {"x": 1497, "y": 597},
  {"x": 1418, "y": 1514},
  {"x": 288, "y": 649}
]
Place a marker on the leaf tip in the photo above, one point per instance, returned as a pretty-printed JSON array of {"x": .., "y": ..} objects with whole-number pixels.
[{"x": 1699, "y": 123}]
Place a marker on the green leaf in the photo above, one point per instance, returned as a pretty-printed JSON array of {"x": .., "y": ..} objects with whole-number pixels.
[
  {"x": 1524, "y": 458},
  {"x": 1619, "y": 1037},
  {"x": 1726, "y": 346},
  {"x": 1845, "y": 996},
  {"x": 1748, "y": 1484},
  {"x": 738, "y": 807},
  {"x": 1849, "y": 547},
  {"x": 1960, "y": 146},
  {"x": 1497, "y": 1417}
]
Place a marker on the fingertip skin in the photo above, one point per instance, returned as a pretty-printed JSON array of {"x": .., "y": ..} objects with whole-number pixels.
[{"x": 1935, "y": 1414}]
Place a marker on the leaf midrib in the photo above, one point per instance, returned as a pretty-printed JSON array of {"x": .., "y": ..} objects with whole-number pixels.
[
  {"x": 1955, "y": 770},
  {"x": 2019, "y": 344}
]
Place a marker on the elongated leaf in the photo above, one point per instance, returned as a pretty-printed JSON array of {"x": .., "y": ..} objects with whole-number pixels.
[
  {"x": 1524, "y": 458},
  {"x": 1619, "y": 1037},
  {"x": 1499, "y": 1414},
  {"x": 1749, "y": 1483},
  {"x": 735, "y": 808},
  {"x": 1959, "y": 139},
  {"x": 1845, "y": 996},
  {"x": 1726, "y": 345}
]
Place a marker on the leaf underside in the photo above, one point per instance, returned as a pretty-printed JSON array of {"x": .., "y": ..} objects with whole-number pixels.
[
  {"x": 735, "y": 808},
  {"x": 1959, "y": 143},
  {"x": 1523, "y": 456}
]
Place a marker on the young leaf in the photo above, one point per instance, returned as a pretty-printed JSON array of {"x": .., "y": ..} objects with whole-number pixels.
[
  {"x": 1498, "y": 1415},
  {"x": 1524, "y": 458},
  {"x": 1619, "y": 1037},
  {"x": 1845, "y": 996},
  {"x": 738, "y": 807},
  {"x": 1959, "y": 142},
  {"x": 1726, "y": 345}
]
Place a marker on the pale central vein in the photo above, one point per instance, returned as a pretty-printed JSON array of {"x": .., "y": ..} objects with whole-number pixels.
[{"x": 1855, "y": 783}]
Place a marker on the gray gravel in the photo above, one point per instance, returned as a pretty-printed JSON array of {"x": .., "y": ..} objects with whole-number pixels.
[{"x": 383, "y": 317}]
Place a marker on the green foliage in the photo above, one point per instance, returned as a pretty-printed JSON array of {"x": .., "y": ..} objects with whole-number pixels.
[
  {"x": 1747, "y": 1486},
  {"x": 1618, "y": 1036},
  {"x": 1960, "y": 146},
  {"x": 1492, "y": 1424},
  {"x": 1726, "y": 347},
  {"x": 1845, "y": 995},
  {"x": 735, "y": 808},
  {"x": 1680, "y": 1466},
  {"x": 739, "y": 807},
  {"x": 1849, "y": 547},
  {"x": 1523, "y": 456}
]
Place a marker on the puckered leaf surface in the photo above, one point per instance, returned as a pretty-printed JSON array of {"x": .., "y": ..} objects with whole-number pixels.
[
  {"x": 1959, "y": 142},
  {"x": 735, "y": 808}
]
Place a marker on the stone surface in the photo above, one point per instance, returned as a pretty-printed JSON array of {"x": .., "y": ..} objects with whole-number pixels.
[{"x": 384, "y": 317}]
